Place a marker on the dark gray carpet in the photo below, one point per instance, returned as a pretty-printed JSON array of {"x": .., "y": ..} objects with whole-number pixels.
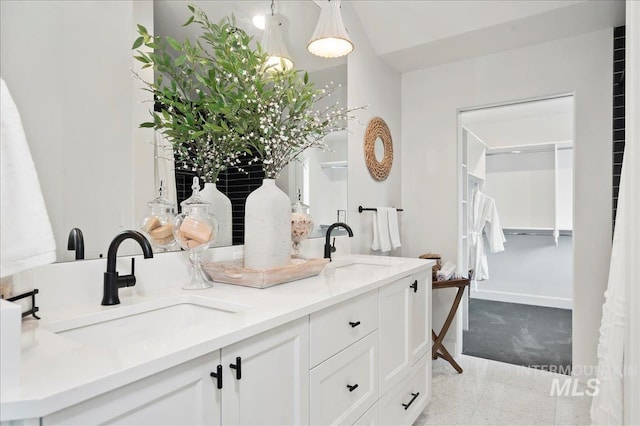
[{"x": 531, "y": 336}]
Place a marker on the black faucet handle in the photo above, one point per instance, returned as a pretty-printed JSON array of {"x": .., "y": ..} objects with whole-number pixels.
[{"x": 128, "y": 280}]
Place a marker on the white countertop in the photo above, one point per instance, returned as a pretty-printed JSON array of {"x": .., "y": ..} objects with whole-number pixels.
[{"x": 57, "y": 372}]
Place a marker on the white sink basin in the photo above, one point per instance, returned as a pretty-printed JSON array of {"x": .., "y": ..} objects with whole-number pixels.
[
  {"x": 126, "y": 325},
  {"x": 364, "y": 265}
]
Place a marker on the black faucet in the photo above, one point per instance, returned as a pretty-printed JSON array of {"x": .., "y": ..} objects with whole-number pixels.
[
  {"x": 76, "y": 242},
  {"x": 112, "y": 281},
  {"x": 330, "y": 248}
]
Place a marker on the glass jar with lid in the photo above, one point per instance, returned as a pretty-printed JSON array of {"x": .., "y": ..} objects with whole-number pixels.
[
  {"x": 157, "y": 225},
  {"x": 301, "y": 224},
  {"x": 194, "y": 229}
]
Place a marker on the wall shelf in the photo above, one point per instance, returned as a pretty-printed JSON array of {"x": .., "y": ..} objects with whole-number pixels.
[{"x": 334, "y": 165}]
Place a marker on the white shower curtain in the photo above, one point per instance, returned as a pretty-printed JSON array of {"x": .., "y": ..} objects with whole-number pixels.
[{"x": 617, "y": 401}]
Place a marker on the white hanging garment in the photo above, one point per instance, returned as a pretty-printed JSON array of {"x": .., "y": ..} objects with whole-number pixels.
[{"x": 483, "y": 215}]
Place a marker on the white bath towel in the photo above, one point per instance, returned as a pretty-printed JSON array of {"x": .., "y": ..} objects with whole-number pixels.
[
  {"x": 447, "y": 271},
  {"x": 25, "y": 231},
  {"x": 394, "y": 229},
  {"x": 381, "y": 238}
]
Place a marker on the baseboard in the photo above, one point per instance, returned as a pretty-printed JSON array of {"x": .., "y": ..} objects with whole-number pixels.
[{"x": 526, "y": 299}]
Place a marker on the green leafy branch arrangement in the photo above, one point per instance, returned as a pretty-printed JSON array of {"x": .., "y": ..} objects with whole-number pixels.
[{"x": 219, "y": 100}]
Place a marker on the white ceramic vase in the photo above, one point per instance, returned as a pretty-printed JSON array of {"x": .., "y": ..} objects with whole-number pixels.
[
  {"x": 221, "y": 208},
  {"x": 267, "y": 227}
]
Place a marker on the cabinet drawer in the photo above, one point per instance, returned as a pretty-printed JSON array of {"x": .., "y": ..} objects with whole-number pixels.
[
  {"x": 403, "y": 404},
  {"x": 370, "y": 418},
  {"x": 336, "y": 327},
  {"x": 345, "y": 385}
]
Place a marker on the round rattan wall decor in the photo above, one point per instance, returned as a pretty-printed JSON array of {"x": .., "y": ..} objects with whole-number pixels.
[{"x": 377, "y": 128}]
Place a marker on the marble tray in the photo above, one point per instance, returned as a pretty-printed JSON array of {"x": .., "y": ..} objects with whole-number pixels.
[{"x": 233, "y": 272}]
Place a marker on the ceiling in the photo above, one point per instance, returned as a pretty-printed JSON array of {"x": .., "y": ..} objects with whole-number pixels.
[
  {"x": 522, "y": 125},
  {"x": 411, "y": 35},
  {"x": 298, "y": 18}
]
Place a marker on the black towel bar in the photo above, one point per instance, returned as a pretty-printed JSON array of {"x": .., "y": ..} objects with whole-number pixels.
[{"x": 372, "y": 209}]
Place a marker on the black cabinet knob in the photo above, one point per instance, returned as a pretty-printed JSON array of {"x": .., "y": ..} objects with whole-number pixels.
[
  {"x": 238, "y": 367},
  {"x": 354, "y": 324},
  {"x": 414, "y": 286},
  {"x": 352, "y": 387},
  {"x": 218, "y": 376}
]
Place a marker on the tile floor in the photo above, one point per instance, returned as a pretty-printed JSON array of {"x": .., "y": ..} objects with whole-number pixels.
[{"x": 494, "y": 393}]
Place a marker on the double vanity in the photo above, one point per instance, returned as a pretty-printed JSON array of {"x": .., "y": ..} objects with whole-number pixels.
[{"x": 349, "y": 346}]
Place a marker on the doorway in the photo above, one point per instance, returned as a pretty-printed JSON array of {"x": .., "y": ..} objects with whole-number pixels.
[{"x": 515, "y": 230}]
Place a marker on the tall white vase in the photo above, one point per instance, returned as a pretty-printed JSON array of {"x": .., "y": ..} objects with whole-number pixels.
[
  {"x": 221, "y": 209},
  {"x": 267, "y": 227}
]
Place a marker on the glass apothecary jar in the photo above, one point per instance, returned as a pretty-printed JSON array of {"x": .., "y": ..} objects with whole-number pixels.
[
  {"x": 157, "y": 225},
  {"x": 301, "y": 224},
  {"x": 194, "y": 229}
]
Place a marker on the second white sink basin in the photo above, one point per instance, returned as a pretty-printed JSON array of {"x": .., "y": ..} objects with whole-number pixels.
[
  {"x": 365, "y": 266},
  {"x": 369, "y": 267}
]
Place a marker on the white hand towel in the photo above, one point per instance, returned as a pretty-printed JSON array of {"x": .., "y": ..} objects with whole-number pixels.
[
  {"x": 375, "y": 245},
  {"x": 25, "y": 231},
  {"x": 381, "y": 240},
  {"x": 394, "y": 230}
]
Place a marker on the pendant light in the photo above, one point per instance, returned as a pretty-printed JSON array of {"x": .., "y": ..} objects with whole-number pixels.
[
  {"x": 273, "y": 43},
  {"x": 330, "y": 38}
]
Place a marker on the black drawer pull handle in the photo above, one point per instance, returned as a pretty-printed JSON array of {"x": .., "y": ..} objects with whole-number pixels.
[
  {"x": 238, "y": 367},
  {"x": 352, "y": 387},
  {"x": 414, "y": 286},
  {"x": 218, "y": 375},
  {"x": 354, "y": 324},
  {"x": 414, "y": 395}
]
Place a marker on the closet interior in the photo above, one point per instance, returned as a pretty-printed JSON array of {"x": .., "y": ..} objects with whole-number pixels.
[{"x": 516, "y": 168}]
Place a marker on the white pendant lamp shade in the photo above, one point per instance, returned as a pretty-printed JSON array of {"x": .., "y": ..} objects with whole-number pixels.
[
  {"x": 330, "y": 38},
  {"x": 273, "y": 44}
]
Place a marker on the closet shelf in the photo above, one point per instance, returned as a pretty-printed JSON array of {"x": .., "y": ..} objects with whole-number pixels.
[
  {"x": 473, "y": 175},
  {"x": 536, "y": 231}
]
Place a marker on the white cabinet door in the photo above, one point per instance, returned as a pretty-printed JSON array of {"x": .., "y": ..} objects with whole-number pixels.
[
  {"x": 269, "y": 384},
  {"x": 395, "y": 333},
  {"x": 182, "y": 395},
  {"x": 420, "y": 312}
]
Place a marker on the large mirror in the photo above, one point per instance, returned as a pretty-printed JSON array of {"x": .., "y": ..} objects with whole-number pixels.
[{"x": 71, "y": 78}]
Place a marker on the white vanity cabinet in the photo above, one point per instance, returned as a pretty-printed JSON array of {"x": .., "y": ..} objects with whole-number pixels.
[
  {"x": 352, "y": 355},
  {"x": 405, "y": 326},
  {"x": 268, "y": 385},
  {"x": 271, "y": 385},
  {"x": 369, "y": 356},
  {"x": 182, "y": 395}
]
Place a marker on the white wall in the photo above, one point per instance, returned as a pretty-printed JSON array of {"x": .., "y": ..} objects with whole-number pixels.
[
  {"x": 68, "y": 65},
  {"x": 370, "y": 82},
  {"x": 531, "y": 270},
  {"x": 430, "y": 101},
  {"x": 523, "y": 186}
]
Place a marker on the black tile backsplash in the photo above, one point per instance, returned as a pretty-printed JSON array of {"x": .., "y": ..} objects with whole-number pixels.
[
  {"x": 235, "y": 184},
  {"x": 618, "y": 112}
]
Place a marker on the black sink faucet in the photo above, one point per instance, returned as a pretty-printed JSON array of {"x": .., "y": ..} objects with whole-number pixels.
[
  {"x": 112, "y": 281},
  {"x": 330, "y": 248},
  {"x": 76, "y": 242}
]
